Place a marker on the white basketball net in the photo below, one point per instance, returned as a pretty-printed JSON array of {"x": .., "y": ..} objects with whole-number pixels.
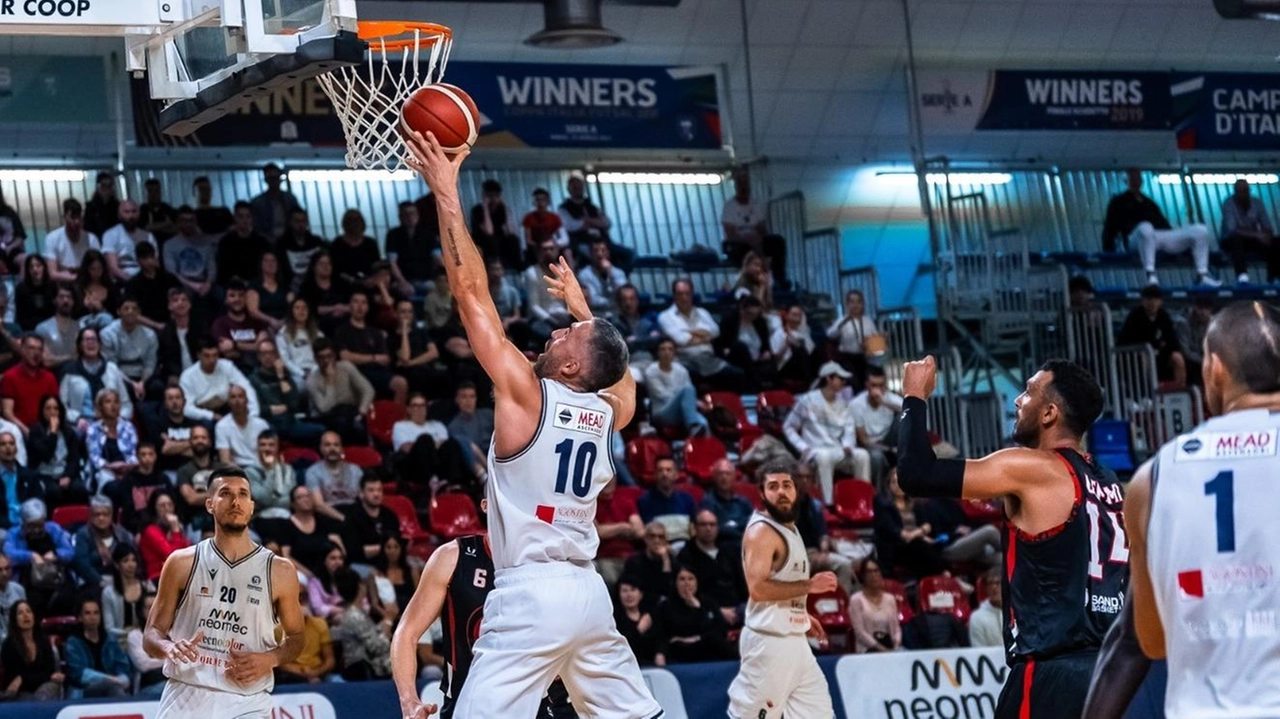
[{"x": 367, "y": 98}]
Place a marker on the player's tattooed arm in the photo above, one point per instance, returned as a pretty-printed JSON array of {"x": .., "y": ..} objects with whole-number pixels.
[{"x": 453, "y": 249}]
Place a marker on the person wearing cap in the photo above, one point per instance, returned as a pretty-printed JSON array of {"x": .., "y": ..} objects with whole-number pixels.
[
  {"x": 41, "y": 550},
  {"x": 821, "y": 427},
  {"x": 1151, "y": 324}
]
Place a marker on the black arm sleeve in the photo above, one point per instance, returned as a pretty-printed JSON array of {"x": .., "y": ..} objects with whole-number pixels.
[
  {"x": 1120, "y": 671},
  {"x": 920, "y": 472}
]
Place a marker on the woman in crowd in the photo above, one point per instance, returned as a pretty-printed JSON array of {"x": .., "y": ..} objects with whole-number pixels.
[
  {"x": 55, "y": 451},
  {"x": 122, "y": 599},
  {"x": 744, "y": 342},
  {"x": 33, "y": 296},
  {"x": 755, "y": 280},
  {"x": 27, "y": 658},
  {"x": 96, "y": 663},
  {"x": 692, "y": 625},
  {"x": 793, "y": 350},
  {"x": 112, "y": 442},
  {"x": 874, "y": 612},
  {"x": 151, "y": 678},
  {"x": 295, "y": 339},
  {"x": 326, "y": 601},
  {"x": 310, "y": 536},
  {"x": 268, "y": 297},
  {"x": 393, "y": 580},
  {"x": 850, "y": 333},
  {"x": 326, "y": 291},
  {"x": 366, "y": 645},
  {"x": 903, "y": 544},
  {"x": 96, "y": 292},
  {"x": 637, "y": 624},
  {"x": 162, "y": 534},
  {"x": 354, "y": 253},
  {"x": 86, "y": 376}
]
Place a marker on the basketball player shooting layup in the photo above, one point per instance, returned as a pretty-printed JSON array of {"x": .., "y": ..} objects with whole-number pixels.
[
  {"x": 1066, "y": 559},
  {"x": 1205, "y": 540},
  {"x": 214, "y": 618},
  {"x": 549, "y": 613},
  {"x": 779, "y": 676}
]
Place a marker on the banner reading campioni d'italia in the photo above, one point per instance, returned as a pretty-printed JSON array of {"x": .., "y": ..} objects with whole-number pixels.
[{"x": 1226, "y": 110}]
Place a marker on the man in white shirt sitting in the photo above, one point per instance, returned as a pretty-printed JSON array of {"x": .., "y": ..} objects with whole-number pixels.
[
  {"x": 237, "y": 433},
  {"x": 673, "y": 402},
  {"x": 64, "y": 248},
  {"x": 207, "y": 385},
  {"x": 600, "y": 280},
  {"x": 694, "y": 329},
  {"x": 119, "y": 243},
  {"x": 986, "y": 625},
  {"x": 875, "y": 414},
  {"x": 821, "y": 428}
]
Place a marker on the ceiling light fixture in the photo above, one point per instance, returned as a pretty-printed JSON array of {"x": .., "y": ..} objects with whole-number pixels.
[
  {"x": 656, "y": 178},
  {"x": 43, "y": 175}
]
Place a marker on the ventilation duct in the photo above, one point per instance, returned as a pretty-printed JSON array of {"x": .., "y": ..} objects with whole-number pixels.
[{"x": 572, "y": 25}]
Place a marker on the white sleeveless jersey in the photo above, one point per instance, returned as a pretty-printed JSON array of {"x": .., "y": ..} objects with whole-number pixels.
[
  {"x": 231, "y": 604},
  {"x": 542, "y": 500},
  {"x": 1214, "y": 550},
  {"x": 790, "y": 616}
]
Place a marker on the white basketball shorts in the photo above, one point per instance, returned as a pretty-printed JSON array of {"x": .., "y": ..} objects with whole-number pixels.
[
  {"x": 779, "y": 676},
  {"x": 188, "y": 701}
]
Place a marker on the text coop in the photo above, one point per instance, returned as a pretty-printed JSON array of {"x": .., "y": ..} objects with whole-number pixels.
[{"x": 45, "y": 8}]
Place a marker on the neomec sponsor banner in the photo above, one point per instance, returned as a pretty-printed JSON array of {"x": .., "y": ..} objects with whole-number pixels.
[{"x": 952, "y": 683}]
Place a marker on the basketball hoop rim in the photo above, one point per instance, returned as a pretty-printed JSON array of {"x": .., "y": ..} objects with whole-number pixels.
[{"x": 382, "y": 33}]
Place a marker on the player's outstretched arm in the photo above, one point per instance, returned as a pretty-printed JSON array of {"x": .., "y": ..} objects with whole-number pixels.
[
  {"x": 760, "y": 546},
  {"x": 423, "y": 610},
  {"x": 155, "y": 639}
]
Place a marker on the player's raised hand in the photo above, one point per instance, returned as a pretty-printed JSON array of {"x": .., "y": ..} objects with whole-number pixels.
[
  {"x": 437, "y": 167},
  {"x": 417, "y": 710},
  {"x": 919, "y": 378},
  {"x": 562, "y": 284},
  {"x": 248, "y": 667},
  {"x": 184, "y": 650},
  {"x": 822, "y": 582}
]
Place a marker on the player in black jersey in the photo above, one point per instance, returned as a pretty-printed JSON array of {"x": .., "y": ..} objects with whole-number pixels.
[
  {"x": 1066, "y": 556},
  {"x": 454, "y": 585}
]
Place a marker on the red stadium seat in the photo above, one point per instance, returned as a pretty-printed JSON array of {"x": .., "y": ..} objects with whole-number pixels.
[
  {"x": 643, "y": 454},
  {"x": 454, "y": 515},
  {"x": 750, "y": 492},
  {"x": 832, "y": 612},
  {"x": 693, "y": 490},
  {"x": 72, "y": 515},
  {"x": 855, "y": 502},
  {"x": 732, "y": 402},
  {"x": 363, "y": 457},
  {"x": 292, "y": 455},
  {"x": 632, "y": 493},
  {"x": 899, "y": 592},
  {"x": 385, "y": 414},
  {"x": 944, "y": 595},
  {"x": 772, "y": 407},
  {"x": 982, "y": 511},
  {"x": 700, "y": 453},
  {"x": 419, "y": 539}
]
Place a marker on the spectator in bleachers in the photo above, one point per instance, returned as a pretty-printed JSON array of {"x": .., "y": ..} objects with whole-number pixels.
[
  {"x": 334, "y": 482},
  {"x": 193, "y": 479},
  {"x": 718, "y": 567},
  {"x": 821, "y": 428},
  {"x": 364, "y": 346},
  {"x": 326, "y": 602},
  {"x": 327, "y": 293},
  {"x": 354, "y": 253},
  {"x": 672, "y": 508},
  {"x": 491, "y": 226},
  {"x": 13, "y": 249},
  {"x": 437, "y": 306},
  {"x": 937, "y": 627},
  {"x": 540, "y": 224},
  {"x": 271, "y": 482},
  {"x": 316, "y": 659},
  {"x": 103, "y": 207},
  {"x": 508, "y": 302},
  {"x": 654, "y": 566},
  {"x": 746, "y": 229},
  {"x": 124, "y": 593},
  {"x": 120, "y": 242},
  {"x": 416, "y": 356},
  {"x": 17, "y": 483},
  {"x": 339, "y": 394},
  {"x": 1080, "y": 292},
  {"x": 96, "y": 663},
  {"x": 904, "y": 544},
  {"x": 694, "y": 628},
  {"x": 10, "y": 332},
  {"x": 600, "y": 280},
  {"x": 238, "y": 431},
  {"x": 673, "y": 401},
  {"x": 267, "y": 298},
  {"x": 151, "y": 679},
  {"x": 23, "y": 386},
  {"x": 207, "y": 384},
  {"x": 59, "y": 332},
  {"x": 639, "y": 329},
  {"x": 296, "y": 339},
  {"x": 1191, "y": 327},
  {"x": 213, "y": 219},
  {"x": 745, "y": 341},
  {"x": 96, "y": 291},
  {"x": 393, "y": 579},
  {"x": 636, "y": 623},
  {"x": 584, "y": 222},
  {"x": 472, "y": 425},
  {"x": 986, "y": 624},
  {"x": 280, "y": 398},
  {"x": 86, "y": 376},
  {"x": 873, "y": 612},
  {"x": 366, "y": 645},
  {"x": 151, "y": 286},
  {"x": 112, "y": 442},
  {"x": 732, "y": 512},
  {"x": 310, "y": 535},
  {"x": 43, "y": 552},
  {"x": 754, "y": 279},
  {"x": 241, "y": 248},
  {"x": 10, "y": 594},
  {"x": 237, "y": 333},
  {"x": 157, "y": 216},
  {"x": 1136, "y": 218},
  {"x": 191, "y": 256},
  {"x": 369, "y": 522},
  {"x": 272, "y": 208},
  {"x": 428, "y": 458},
  {"x": 546, "y": 313},
  {"x": 953, "y": 533},
  {"x": 812, "y": 525},
  {"x": 409, "y": 250},
  {"x": 65, "y": 246},
  {"x": 619, "y": 525},
  {"x": 162, "y": 535},
  {"x": 694, "y": 331},
  {"x": 298, "y": 246},
  {"x": 131, "y": 346},
  {"x": 180, "y": 341},
  {"x": 97, "y": 543},
  {"x": 851, "y": 333},
  {"x": 1246, "y": 231},
  {"x": 57, "y": 453},
  {"x": 169, "y": 430},
  {"x": 794, "y": 350},
  {"x": 33, "y": 295},
  {"x": 1151, "y": 324},
  {"x": 28, "y": 660},
  {"x": 875, "y": 416}
]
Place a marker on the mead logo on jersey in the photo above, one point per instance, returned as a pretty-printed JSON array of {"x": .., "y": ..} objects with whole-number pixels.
[
  {"x": 1226, "y": 579},
  {"x": 580, "y": 419},
  {"x": 1228, "y": 445},
  {"x": 223, "y": 620}
]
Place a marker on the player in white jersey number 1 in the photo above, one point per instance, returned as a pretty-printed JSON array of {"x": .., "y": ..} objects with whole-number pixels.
[
  {"x": 549, "y": 613},
  {"x": 779, "y": 676},
  {"x": 218, "y": 614},
  {"x": 1203, "y": 537}
]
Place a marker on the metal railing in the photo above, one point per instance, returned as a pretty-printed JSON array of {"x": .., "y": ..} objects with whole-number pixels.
[
  {"x": 1091, "y": 344},
  {"x": 1136, "y": 385},
  {"x": 819, "y": 271}
]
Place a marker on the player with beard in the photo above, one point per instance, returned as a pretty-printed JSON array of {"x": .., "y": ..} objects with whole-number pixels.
[
  {"x": 1066, "y": 557},
  {"x": 219, "y": 611},
  {"x": 778, "y": 675}
]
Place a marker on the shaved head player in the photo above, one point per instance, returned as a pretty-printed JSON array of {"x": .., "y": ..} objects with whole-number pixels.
[
  {"x": 217, "y": 613},
  {"x": 549, "y": 612}
]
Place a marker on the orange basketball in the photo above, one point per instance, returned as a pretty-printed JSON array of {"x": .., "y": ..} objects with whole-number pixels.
[{"x": 445, "y": 110}]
